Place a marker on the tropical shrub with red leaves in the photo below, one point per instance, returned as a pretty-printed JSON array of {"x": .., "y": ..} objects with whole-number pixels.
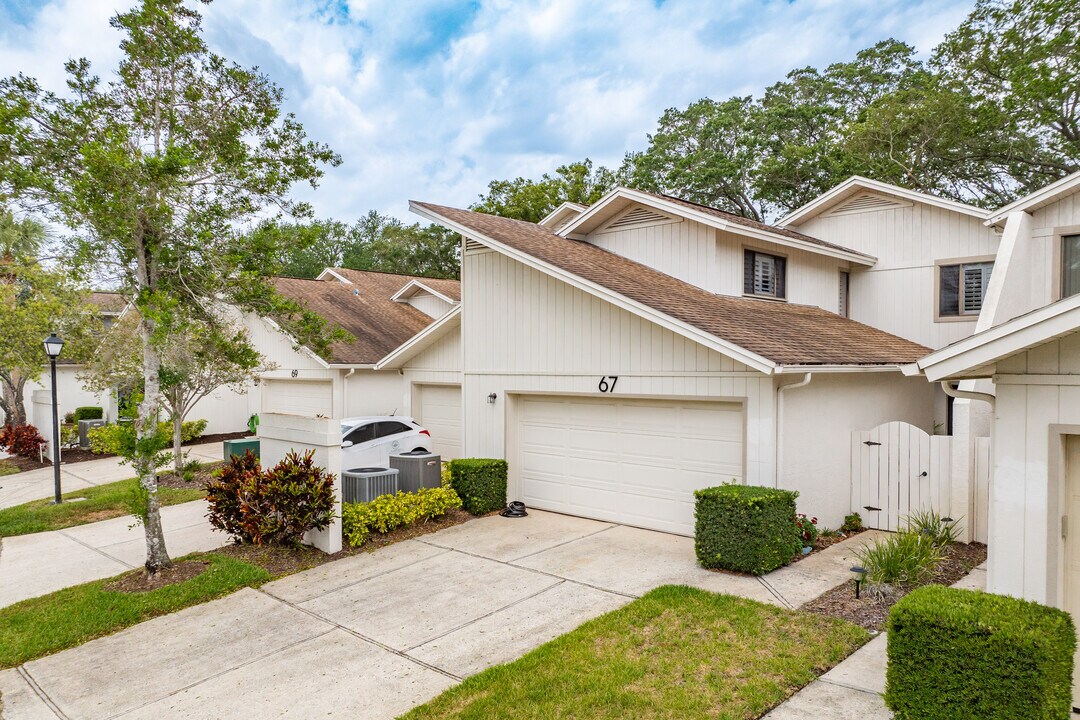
[
  {"x": 276, "y": 506},
  {"x": 22, "y": 440}
]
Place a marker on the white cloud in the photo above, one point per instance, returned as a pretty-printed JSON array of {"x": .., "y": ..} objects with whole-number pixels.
[{"x": 432, "y": 99}]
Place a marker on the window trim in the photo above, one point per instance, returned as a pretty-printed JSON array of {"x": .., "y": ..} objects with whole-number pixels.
[
  {"x": 938, "y": 264},
  {"x": 770, "y": 253},
  {"x": 1057, "y": 282},
  {"x": 844, "y": 291}
]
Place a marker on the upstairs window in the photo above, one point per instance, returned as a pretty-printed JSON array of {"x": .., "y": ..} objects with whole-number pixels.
[
  {"x": 1070, "y": 265},
  {"x": 764, "y": 275},
  {"x": 962, "y": 287}
]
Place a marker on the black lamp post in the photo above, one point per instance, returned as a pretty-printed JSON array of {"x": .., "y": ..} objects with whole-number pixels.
[{"x": 53, "y": 346}]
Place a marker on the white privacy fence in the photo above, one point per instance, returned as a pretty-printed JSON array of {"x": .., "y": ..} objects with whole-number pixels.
[{"x": 896, "y": 469}]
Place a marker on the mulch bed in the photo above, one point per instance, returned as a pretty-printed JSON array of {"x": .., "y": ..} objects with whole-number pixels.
[
  {"x": 871, "y": 611},
  {"x": 137, "y": 581},
  {"x": 72, "y": 456},
  {"x": 199, "y": 478}
]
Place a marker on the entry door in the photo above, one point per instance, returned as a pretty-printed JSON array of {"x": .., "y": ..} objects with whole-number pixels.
[{"x": 1072, "y": 545}]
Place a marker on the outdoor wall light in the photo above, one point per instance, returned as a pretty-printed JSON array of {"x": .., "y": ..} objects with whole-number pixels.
[
  {"x": 491, "y": 398},
  {"x": 859, "y": 572}
]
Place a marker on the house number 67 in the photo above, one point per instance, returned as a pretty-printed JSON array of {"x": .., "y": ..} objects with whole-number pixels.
[{"x": 607, "y": 383}]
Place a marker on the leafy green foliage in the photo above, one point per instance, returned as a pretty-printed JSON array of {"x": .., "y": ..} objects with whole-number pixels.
[
  {"x": 746, "y": 528},
  {"x": 389, "y": 512},
  {"x": 480, "y": 483},
  {"x": 852, "y": 523},
  {"x": 24, "y": 440},
  {"x": 808, "y": 529},
  {"x": 963, "y": 654},
  {"x": 87, "y": 413},
  {"x": 675, "y": 652},
  {"x": 930, "y": 523},
  {"x": 904, "y": 558},
  {"x": 533, "y": 200},
  {"x": 120, "y": 439},
  {"x": 273, "y": 507},
  {"x": 48, "y": 624}
]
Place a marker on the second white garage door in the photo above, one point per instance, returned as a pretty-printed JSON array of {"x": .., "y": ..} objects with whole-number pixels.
[
  {"x": 440, "y": 414},
  {"x": 636, "y": 462}
]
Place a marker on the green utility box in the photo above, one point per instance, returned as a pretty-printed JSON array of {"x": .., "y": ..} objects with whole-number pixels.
[{"x": 239, "y": 447}]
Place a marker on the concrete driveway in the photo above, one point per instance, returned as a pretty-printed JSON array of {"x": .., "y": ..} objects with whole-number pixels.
[{"x": 373, "y": 635}]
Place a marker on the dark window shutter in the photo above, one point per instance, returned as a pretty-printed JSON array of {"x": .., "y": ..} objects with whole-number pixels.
[
  {"x": 781, "y": 277},
  {"x": 949, "y": 291},
  {"x": 748, "y": 272}
]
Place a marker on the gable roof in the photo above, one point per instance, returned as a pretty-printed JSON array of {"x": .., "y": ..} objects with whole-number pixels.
[
  {"x": 760, "y": 333},
  {"x": 857, "y": 184},
  {"x": 621, "y": 198},
  {"x": 416, "y": 287},
  {"x": 975, "y": 356},
  {"x": 562, "y": 215},
  {"x": 448, "y": 288},
  {"x": 1040, "y": 198},
  {"x": 108, "y": 302},
  {"x": 364, "y": 307}
]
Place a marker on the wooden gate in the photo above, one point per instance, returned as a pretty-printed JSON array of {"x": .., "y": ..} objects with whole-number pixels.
[{"x": 896, "y": 468}]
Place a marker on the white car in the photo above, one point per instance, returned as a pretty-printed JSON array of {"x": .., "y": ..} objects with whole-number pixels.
[{"x": 369, "y": 441}]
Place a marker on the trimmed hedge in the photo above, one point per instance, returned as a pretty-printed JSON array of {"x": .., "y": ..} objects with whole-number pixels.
[
  {"x": 389, "y": 512},
  {"x": 87, "y": 413},
  {"x": 480, "y": 483},
  {"x": 965, "y": 654},
  {"x": 745, "y": 528}
]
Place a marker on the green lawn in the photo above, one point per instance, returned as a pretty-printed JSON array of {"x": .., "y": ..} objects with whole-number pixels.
[
  {"x": 99, "y": 503},
  {"x": 676, "y": 652},
  {"x": 8, "y": 468},
  {"x": 72, "y": 616}
]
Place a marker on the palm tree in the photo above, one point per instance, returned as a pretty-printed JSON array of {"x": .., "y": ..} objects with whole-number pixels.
[{"x": 20, "y": 239}]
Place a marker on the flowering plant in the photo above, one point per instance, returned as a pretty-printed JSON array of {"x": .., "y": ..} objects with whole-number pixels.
[{"x": 808, "y": 529}]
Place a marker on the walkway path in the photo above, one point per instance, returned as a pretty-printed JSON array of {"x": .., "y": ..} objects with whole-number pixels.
[
  {"x": 36, "y": 484},
  {"x": 852, "y": 690},
  {"x": 375, "y": 634}
]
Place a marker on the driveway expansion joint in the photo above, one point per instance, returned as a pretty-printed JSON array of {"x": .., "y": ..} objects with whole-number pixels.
[
  {"x": 25, "y": 674},
  {"x": 568, "y": 542},
  {"x": 847, "y": 686},
  {"x": 99, "y": 551}
]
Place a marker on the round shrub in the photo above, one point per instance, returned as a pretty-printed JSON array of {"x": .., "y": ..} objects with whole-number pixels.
[{"x": 24, "y": 440}]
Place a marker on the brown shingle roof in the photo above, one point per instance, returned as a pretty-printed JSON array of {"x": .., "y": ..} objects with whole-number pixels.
[
  {"x": 449, "y": 288},
  {"x": 784, "y": 333},
  {"x": 110, "y": 303},
  {"x": 364, "y": 309}
]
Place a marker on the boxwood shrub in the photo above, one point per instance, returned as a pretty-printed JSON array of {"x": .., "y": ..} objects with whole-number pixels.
[
  {"x": 966, "y": 654},
  {"x": 480, "y": 483},
  {"x": 87, "y": 413},
  {"x": 745, "y": 528}
]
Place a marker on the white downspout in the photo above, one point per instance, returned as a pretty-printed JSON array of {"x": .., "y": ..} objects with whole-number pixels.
[
  {"x": 967, "y": 394},
  {"x": 779, "y": 455}
]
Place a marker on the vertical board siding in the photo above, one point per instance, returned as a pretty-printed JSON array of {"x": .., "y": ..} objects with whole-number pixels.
[
  {"x": 429, "y": 304},
  {"x": 443, "y": 354},
  {"x": 981, "y": 490},
  {"x": 713, "y": 260},
  {"x": 525, "y": 332},
  {"x": 897, "y": 293}
]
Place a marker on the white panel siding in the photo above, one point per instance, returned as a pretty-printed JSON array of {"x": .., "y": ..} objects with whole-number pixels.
[
  {"x": 713, "y": 260},
  {"x": 897, "y": 293},
  {"x": 443, "y": 354},
  {"x": 429, "y": 304},
  {"x": 276, "y": 347},
  {"x": 524, "y": 332},
  {"x": 375, "y": 393}
]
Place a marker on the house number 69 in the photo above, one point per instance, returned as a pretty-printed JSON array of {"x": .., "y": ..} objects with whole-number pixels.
[{"x": 607, "y": 383}]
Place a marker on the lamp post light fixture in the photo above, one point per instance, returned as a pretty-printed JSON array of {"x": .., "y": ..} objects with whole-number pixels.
[
  {"x": 859, "y": 572},
  {"x": 53, "y": 346}
]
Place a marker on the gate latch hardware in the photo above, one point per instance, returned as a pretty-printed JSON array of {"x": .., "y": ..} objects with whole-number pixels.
[
  {"x": 923, "y": 474},
  {"x": 870, "y": 442},
  {"x": 871, "y": 508}
]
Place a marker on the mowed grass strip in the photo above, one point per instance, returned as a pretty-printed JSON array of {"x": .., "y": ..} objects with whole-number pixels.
[
  {"x": 676, "y": 652},
  {"x": 101, "y": 502},
  {"x": 44, "y": 625},
  {"x": 8, "y": 468}
]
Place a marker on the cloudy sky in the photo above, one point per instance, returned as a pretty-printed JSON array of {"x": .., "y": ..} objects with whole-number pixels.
[{"x": 432, "y": 99}]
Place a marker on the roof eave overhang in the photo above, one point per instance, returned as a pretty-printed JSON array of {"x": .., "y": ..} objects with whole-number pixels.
[
  {"x": 826, "y": 200},
  {"x": 1044, "y": 196},
  {"x": 333, "y": 273},
  {"x": 422, "y": 340},
  {"x": 413, "y": 285},
  {"x": 791, "y": 369},
  {"x": 573, "y": 228},
  {"x": 751, "y": 359}
]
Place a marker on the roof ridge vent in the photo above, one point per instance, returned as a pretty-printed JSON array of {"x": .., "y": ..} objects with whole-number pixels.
[
  {"x": 636, "y": 216},
  {"x": 868, "y": 202}
]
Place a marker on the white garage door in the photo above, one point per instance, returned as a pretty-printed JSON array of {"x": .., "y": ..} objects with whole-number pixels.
[
  {"x": 636, "y": 462},
  {"x": 310, "y": 398},
  {"x": 440, "y": 414}
]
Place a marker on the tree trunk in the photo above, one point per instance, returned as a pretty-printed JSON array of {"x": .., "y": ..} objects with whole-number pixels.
[
  {"x": 157, "y": 557},
  {"x": 177, "y": 441},
  {"x": 13, "y": 401}
]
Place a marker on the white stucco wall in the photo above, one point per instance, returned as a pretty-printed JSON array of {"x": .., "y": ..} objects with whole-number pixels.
[{"x": 818, "y": 420}]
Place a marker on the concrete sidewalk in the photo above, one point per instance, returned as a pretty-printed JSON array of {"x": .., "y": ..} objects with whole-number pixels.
[
  {"x": 41, "y": 563},
  {"x": 375, "y": 634},
  {"x": 852, "y": 690},
  {"x": 36, "y": 484}
]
